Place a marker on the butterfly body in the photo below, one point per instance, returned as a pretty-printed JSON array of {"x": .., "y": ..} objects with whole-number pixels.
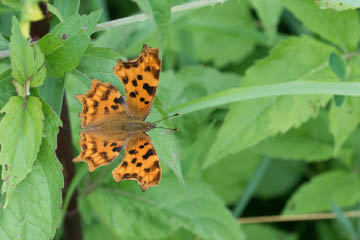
[
  {"x": 111, "y": 124},
  {"x": 119, "y": 127}
]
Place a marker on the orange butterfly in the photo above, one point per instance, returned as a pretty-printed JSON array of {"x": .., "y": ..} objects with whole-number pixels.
[{"x": 109, "y": 124}]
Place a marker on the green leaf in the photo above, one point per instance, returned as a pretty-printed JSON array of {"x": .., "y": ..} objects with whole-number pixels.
[
  {"x": 192, "y": 82},
  {"x": 7, "y": 89},
  {"x": 27, "y": 63},
  {"x": 21, "y": 132},
  {"x": 75, "y": 84},
  {"x": 67, "y": 42},
  {"x": 16, "y": 4},
  {"x": 262, "y": 231},
  {"x": 345, "y": 118},
  {"x": 337, "y": 65},
  {"x": 237, "y": 168},
  {"x": 339, "y": 5},
  {"x": 213, "y": 31},
  {"x": 163, "y": 210},
  {"x": 67, "y": 8},
  {"x": 160, "y": 10},
  {"x": 328, "y": 23},
  {"x": 55, "y": 11},
  {"x": 4, "y": 44},
  {"x": 317, "y": 195},
  {"x": 34, "y": 211},
  {"x": 165, "y": 144},
  {"x": 249, "y": 122},
  {"x": 99, "y": 63},
  {"x": 339, "y": 100},
  {"x": 4, "y": 66},
  {"x": 98, "y": 231},
  {"x": 162, "y": 15},
  {"x": 305, "y": 142},
  {"x": 52, "y": 92},
  {"x": 269, "y": 12}
]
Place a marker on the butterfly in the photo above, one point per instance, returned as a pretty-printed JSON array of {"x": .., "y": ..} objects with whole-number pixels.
[{"x": 111, "y": 123}]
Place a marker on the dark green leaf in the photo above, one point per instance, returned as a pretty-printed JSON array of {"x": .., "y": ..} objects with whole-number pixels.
[
  {"x": 339, "y": 100},
  {"x": 337, "y": 65},
  {"x": 7, "y": 89},
  {"x": 4, "y": 44}
]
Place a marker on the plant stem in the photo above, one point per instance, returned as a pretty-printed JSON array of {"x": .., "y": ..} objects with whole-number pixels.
[{"x": 72, "y": 220}]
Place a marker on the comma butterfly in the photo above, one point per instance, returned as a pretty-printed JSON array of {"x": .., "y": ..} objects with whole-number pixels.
[{"x": 110, "y": 124}]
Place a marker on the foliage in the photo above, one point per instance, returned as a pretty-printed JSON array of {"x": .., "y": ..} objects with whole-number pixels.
[{"x": 281, "y": 84}]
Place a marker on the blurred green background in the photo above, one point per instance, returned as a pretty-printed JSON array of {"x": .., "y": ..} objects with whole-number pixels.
[{"x": 261, "y": 157}]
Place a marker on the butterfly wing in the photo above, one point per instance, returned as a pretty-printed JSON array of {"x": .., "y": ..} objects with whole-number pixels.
[
  {"x": 102, "y": 100},
  {"x": 140, "y": 162},
  {"x": 140, "y": 78},
  {"x": 97, "y": 150}
]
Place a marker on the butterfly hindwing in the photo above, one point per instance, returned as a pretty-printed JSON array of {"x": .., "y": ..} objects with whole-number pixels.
[
  {"x": 140, "y": 78},
  {"x": 96, "y": 150},
  {"x": 102, "y": 100},
  {"x": 140, "y": 163}
]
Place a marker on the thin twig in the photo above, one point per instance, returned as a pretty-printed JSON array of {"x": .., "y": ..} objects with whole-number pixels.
[
  {"x": 294, "y": 218},
  {"x": 144, "y": 17},
  {"x": 141, "y": 18}
]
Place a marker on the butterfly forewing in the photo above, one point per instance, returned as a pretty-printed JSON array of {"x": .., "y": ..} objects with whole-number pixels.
[{"x": 140, "y": 78}]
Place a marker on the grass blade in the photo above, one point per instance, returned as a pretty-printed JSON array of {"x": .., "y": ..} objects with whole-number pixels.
[{"x": 282, "y": 89}]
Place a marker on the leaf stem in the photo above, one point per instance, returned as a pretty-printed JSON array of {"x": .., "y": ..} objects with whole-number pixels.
[
  {"x": 281, "y": 89},
  {"x": 295, "y": 218}
]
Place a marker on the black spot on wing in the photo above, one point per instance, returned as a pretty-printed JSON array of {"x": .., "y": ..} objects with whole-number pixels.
[
  {"x": 119, "y": 100},
  {"x": 149, "y": 89},
  {"x": 115, "y": 107},
  {"x": 149, "y": 153},
  {"x": 139, "y": 77},
  {"x": 132, "y": 94},
  {"x": 125, "y": 79},
  {"x": 117, "y": 149},
  {"x": 134, "y": 83},
  {"x": 132, "y": 151}
]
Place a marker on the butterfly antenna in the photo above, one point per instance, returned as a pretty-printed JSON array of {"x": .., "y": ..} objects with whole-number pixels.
[
  {"x": 171, "y": 129},
  {"x": 174, "y": 115}
]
